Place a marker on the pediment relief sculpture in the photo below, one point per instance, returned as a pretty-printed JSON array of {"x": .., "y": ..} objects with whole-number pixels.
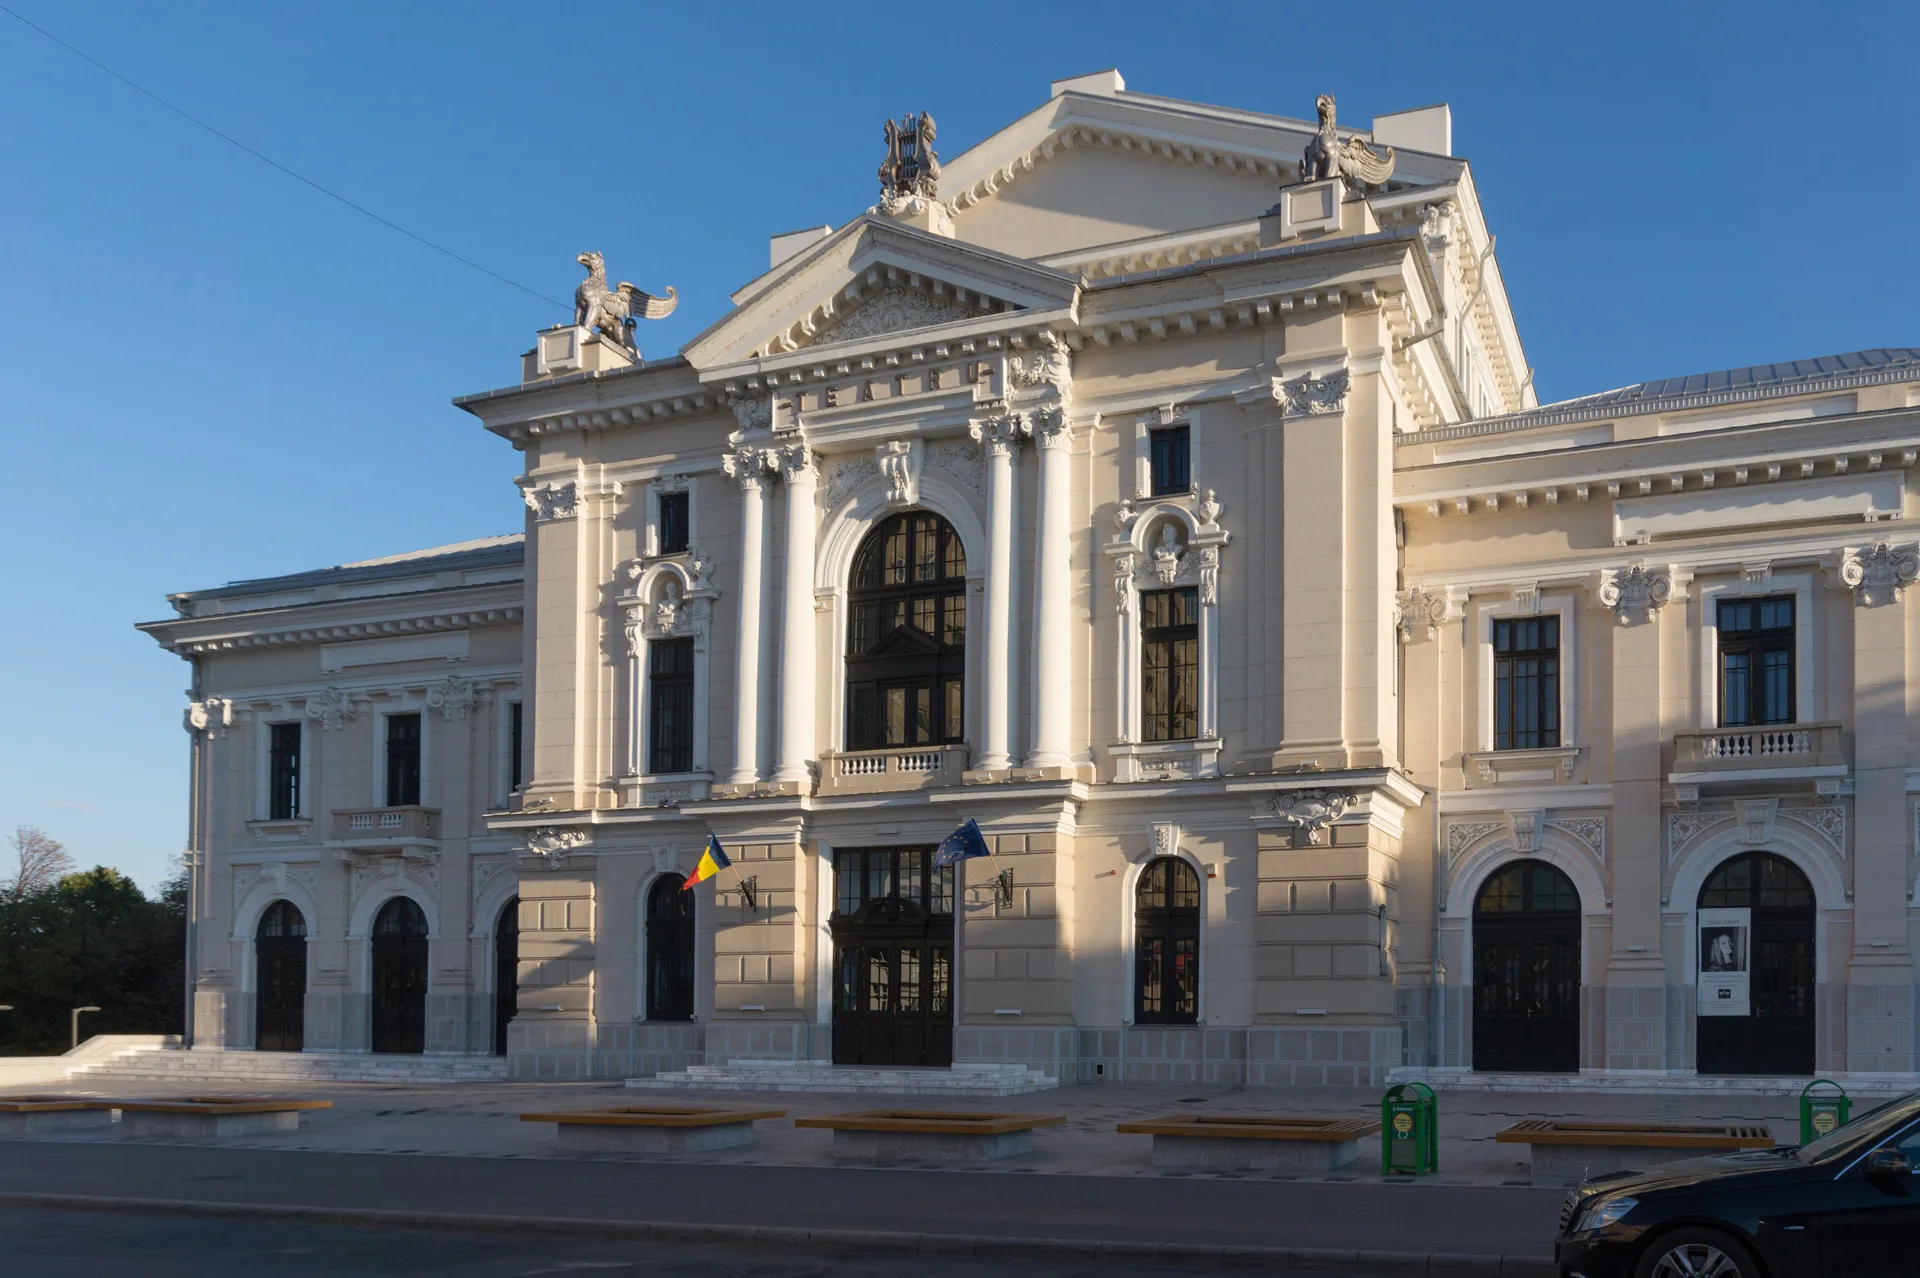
[
  {"x": 615, "y": 312},
  {"x": 896, "y": 308}
]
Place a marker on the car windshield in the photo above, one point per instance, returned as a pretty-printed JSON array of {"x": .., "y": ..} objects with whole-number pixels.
[{"x": 1879, "y": 1119}]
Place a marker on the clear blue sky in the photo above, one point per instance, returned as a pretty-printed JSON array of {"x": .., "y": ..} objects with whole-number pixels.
[{"x": 209, "y": 372}]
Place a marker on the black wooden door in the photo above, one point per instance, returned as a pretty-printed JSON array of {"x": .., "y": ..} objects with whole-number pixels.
[
  {"x": 1777, "y": 1035},
  {"x": 400, "y": 978},
  {"x": 506, "y": 973},
  {"x": 893, "y": 959},
  {"x": 670, "y": 920},
  {"x": 280, "y": 1004},
  {"x": 1526, "y": 972}
]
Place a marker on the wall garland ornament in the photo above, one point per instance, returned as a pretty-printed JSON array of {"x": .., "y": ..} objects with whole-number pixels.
[
  {"x": 453, "y": 697},
  {"x": 1423, "y": 611},
  {"x": 1310, "y": 810},
  {"x": 331, "y": 707},
  {"x": 1879, "y": 573},
  {"x": 1633, "y": 593}
]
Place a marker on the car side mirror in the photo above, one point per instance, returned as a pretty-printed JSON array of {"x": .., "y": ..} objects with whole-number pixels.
[{"x": 1888, "y": 1162}]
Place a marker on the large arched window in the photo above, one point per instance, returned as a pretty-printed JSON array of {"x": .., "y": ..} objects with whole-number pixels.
[
  {"x": 907, "y": 635},
  {"x": 1166, "y": 944},
  {"x": 669, "y": 951}
]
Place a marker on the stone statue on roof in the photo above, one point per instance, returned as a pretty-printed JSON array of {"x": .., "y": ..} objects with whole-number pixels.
[
  {"x": 1356, "y": 162},
  {"x": 615, "y": 311},
  {"x": 911, "y": 167}
]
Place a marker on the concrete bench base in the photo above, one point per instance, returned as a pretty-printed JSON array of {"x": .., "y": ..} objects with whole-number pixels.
[
  {"x": 1253, "y": 1155},
  {"x": 589, "y": 1138},
  {"x": 932, "y": 1147},
  {"x": 63, "y": 1120},
  {"x": 202, "y": 1126},
  {"x": 1579, "y": 1162}
]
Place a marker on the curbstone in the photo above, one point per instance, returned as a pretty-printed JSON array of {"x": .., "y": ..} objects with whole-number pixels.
[{"x": 1240, "y": 1259}]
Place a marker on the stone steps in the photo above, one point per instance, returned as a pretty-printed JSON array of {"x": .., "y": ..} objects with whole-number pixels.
[
  {"x": 1646, "y": 1083},
  {"x": 215, "y": 1066},
  {"x": 822, "y": 1077}
]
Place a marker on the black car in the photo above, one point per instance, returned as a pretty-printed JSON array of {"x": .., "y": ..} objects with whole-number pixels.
[{"x": 1846, "y": 1206}]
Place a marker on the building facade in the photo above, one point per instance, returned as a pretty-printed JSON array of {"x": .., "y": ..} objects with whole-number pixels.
[{"x": 1328, "y": 705}]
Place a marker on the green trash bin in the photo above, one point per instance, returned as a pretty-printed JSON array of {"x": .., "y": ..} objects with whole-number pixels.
[
  {"x": 1409, "y": 1131},
  {"x": 1821, "y": 1114}
]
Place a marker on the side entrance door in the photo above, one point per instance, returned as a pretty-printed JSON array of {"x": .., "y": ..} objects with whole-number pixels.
[
  {"x": 280, "y": 1008},
  {"x": 1526, "y": 972},
  {"x": 400, "y": 978},
  {"x": 1776, "y": 1036},
  {"x": 893, "y": 958}
]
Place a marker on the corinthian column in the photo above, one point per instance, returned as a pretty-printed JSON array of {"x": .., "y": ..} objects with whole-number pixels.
[
  {"x": 1052, "y": 603},
  {"x": 797, "y": 691},
  {"x": 749, "y": 466},
  {"x": 998, "y": 437}
]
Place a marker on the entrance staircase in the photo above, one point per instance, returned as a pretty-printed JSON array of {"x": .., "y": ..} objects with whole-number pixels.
[
  {"x": 858, "y": 1080},
  {"x": 201, "y": 1066},
  {"x": 1648, "y": 1082}
]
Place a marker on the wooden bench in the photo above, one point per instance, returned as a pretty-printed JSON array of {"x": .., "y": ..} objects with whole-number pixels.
[
  {"x": 1576, "y": 1149},
  {"x": 930, "y": 1135},
  {"x": 35, "y": 1115},
  {"x": 655, "y": 1129},
  {"x": 198, "y": 1117},
  {"x": 1253, "y": 1142}
]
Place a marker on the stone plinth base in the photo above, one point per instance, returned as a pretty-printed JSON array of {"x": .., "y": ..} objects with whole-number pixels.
[
  {"x": 1582, "y": 1162},
  {"x": 64, "y": 1120},
  {"x": 202, "y": 1126},
  {"x": 931, "y": 1147},
  {"x": 1217, "y": 1154},
  {"x": 588, "y": 1138}
]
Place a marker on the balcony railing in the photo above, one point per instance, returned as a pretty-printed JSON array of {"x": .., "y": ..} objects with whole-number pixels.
[
  {"x": 386, "y": 827},
  {"x": 899, "y": 768},
  {"x": 1782, "y": 745}
]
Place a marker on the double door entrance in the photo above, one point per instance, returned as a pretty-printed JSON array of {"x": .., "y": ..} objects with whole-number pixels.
[
  {"x": 1776, "y": 1035},
  {"x": 1526, "y": 972},
  {"x": 892, "y": 932}
]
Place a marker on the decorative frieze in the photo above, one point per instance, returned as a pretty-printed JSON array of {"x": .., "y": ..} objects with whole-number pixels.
[
  {"x": 1684, "y": 827},
  {"x": 1829, "y": 821},
  {"x": 961, "y": 460},
  {"x": 550, "y": 844},
  {"x": 1423, "y": 610},
  {"x": 1633, "y": 593},
  {"x": 753, "y": 414},
  {"x": 550, "y": 502},
  {"x": 1879, "y": 573},
  {"x": 1591, "y": 831},
  {"x": 1310, "y": 810},
  {"x": 844, "y": 477},
  {"x": 1462, "y": 835},
  {"x": 331, "y": 707},
  {"x": 453, "y": 697}
]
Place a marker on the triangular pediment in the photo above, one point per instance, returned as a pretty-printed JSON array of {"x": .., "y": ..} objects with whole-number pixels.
[{"x": 873, "y": 280}]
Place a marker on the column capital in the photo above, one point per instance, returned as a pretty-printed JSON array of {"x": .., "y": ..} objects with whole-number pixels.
[
  {"x": 797, "y": 464},
  {"x": 751, "y": 466},
  {"x": 1050, "y": 426},
  {"x": 998, "y": 435},
  {"x": 1879, "y": 573}
]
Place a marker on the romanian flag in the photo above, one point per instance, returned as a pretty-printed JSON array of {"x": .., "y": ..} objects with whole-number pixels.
[{"x": 712, "y": 861}]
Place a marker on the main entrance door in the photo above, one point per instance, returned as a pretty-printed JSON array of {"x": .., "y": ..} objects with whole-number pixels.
[
  {"x": 893, "y": 958},
  {"x": 400, "y": 978},
  {"x": 1777, "y": 1036},
  {"x": 506, "y": 972},
  {"x": 280, "y": 1007},
  {"x": 1526, "y": 972}
]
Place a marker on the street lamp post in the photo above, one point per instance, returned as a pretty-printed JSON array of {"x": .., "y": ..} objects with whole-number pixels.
[{"x": 76, "y": 1022}]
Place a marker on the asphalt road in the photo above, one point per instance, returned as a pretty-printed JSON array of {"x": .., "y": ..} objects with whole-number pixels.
[
  {"x": 41, "y": 1244},
  {"x": 1246, "y": 1212}
]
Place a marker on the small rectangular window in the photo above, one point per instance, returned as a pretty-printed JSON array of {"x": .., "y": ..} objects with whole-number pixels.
[
  {"x": 1756, "y": 661},
  {"x": 1526, "y": 683},
  {"x": 1168, "y": 452},
  {"x": 670, "y": 705},
  {"x": 403, "y": 760},
  {"x": 515, "y": 741},
  {"x": 673, "y": 522},
  {"x": 283, "y": 772}
]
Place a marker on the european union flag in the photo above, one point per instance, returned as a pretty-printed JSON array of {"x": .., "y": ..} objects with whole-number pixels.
[{"x": 965, "y": 842}]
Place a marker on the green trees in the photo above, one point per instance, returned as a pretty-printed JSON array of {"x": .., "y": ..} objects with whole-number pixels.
[{"x": 87, "y": 938}]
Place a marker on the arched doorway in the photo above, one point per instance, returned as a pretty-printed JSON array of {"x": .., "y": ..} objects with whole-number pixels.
[
  {"x": 669, "y": 951},
  {"x": 1526, "y": 972},
  {"x": 1166, "y": 944},
  {"x": 400, "y": 977},
  {"x": 280, "y": 958},
  {"x": 506, "y": 972},
  {"x": 892, "y": 929},
  {"x": 1777, "y": 1035},
  {"x": 907, "y": 635}
]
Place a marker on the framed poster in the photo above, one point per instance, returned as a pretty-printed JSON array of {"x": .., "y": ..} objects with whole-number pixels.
[{"x": 1726, "y": 962}]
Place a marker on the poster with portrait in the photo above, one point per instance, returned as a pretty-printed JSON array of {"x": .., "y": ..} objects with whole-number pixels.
[{"x": 1726, "y": 953}]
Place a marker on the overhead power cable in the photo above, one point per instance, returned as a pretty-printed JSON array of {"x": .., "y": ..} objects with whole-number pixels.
[{"x": 269, "y": 160}]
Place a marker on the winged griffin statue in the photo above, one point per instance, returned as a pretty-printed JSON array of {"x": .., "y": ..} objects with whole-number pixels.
[
  {"x": 1356, "y": 161},
  {"x": 615, "y": 311}
]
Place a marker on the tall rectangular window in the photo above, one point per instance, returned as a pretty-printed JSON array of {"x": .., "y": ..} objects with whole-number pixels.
[
  {"x": 1756, "y": 662},
  {"x": 283, "y": 772},
  {"x": 515, "y": 744},
  {"x": 673, "y": 523},
  {"x": 403, "y": 760},
  {"x": 1170, "y": 664},
  {"x": 670, "y": 705},
  {"x": 1168, "y": 453},
  {"x": 1526, "y": 683}
]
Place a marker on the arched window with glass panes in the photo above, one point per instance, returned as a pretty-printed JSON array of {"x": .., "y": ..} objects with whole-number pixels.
[
  {"x": 907, "y": 636},
  {"x": 1166, "y": 944}
]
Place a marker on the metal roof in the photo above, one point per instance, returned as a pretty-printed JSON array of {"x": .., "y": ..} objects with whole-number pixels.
[{"x": 483, "y": 552}]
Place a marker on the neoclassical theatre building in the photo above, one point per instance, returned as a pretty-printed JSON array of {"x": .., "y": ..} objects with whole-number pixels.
[{"x": 1161, "y": 486}]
